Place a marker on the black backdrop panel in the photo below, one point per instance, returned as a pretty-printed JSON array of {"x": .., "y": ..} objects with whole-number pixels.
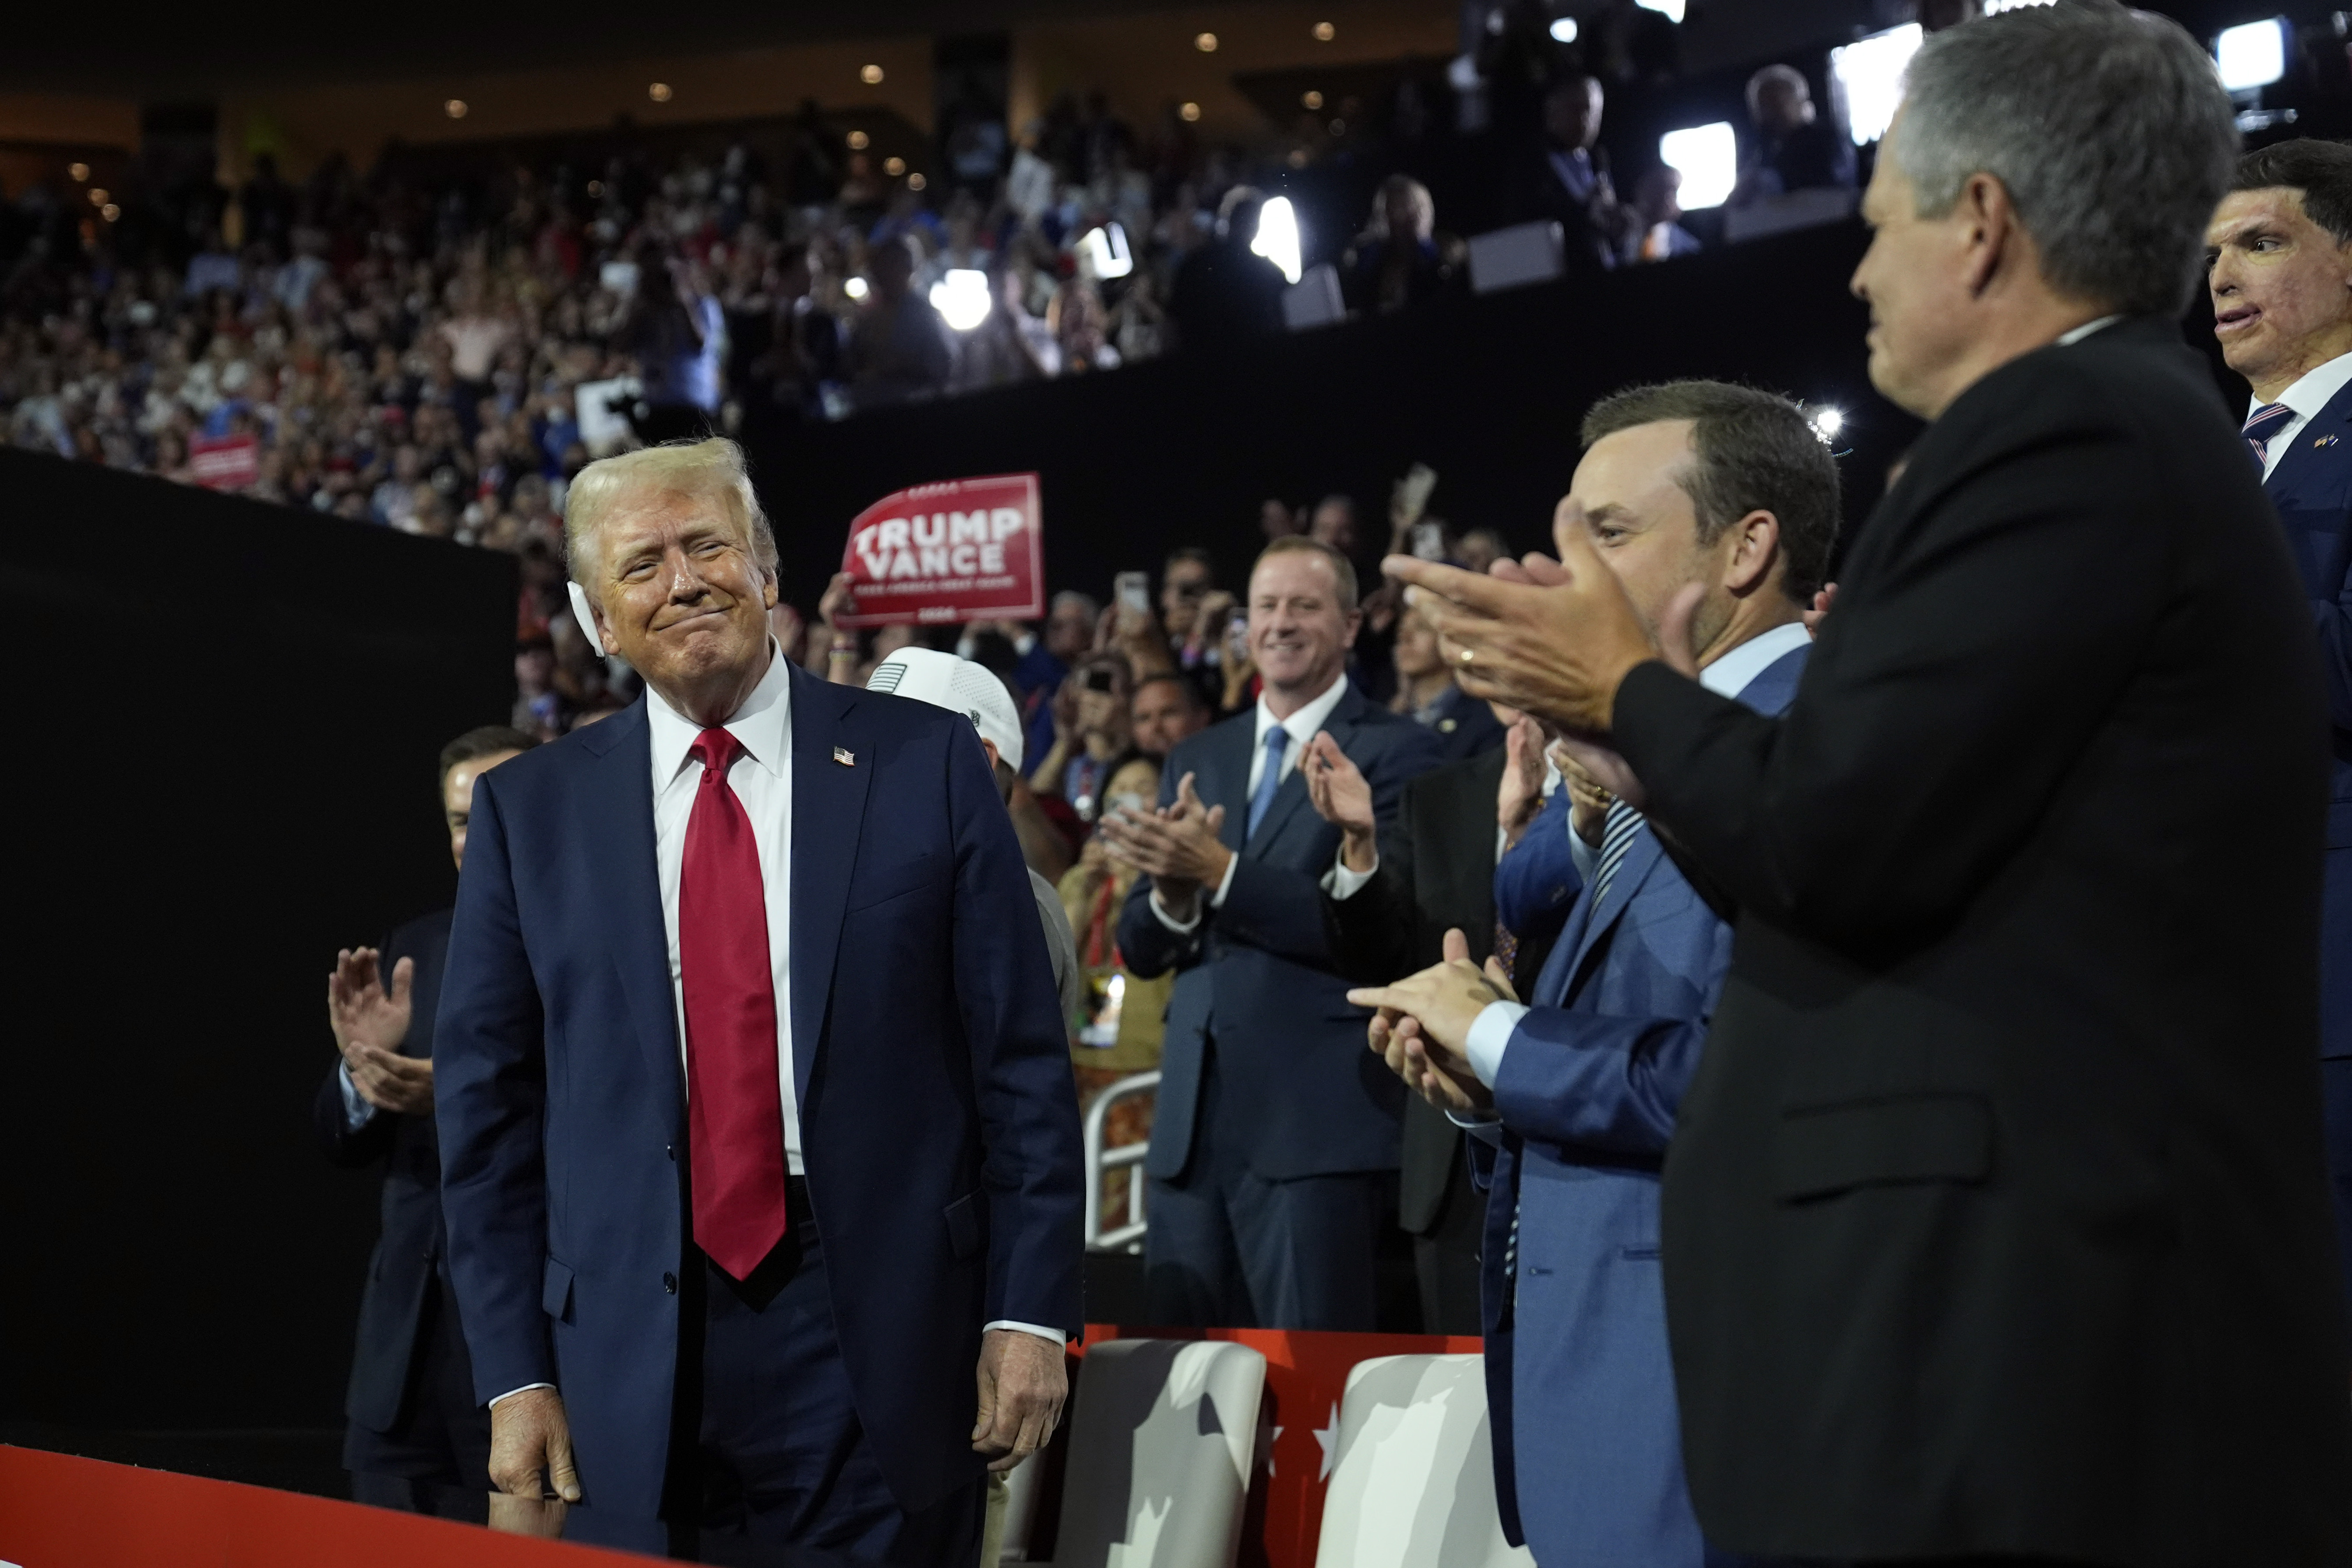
[
  {"x": 1487, "y": 390},
  {"x": 224, "y": 718}
]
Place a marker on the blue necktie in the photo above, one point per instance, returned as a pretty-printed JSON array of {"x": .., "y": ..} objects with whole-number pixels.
[
  {"x": 2262, "y": 424},
  {"x": 1276, "y": 742}
]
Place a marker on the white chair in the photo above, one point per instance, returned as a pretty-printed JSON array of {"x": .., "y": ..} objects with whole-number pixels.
[
  {"x": 1412, "y": 1484},
  {"x": 1162, "y": 1435}
]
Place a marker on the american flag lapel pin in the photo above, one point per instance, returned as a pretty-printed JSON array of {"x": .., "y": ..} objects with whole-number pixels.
[
  {"x": 845, "y": 756},
  {"x": 2325, "y": 441}
]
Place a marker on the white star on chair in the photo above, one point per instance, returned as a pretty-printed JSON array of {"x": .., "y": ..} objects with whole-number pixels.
[
  {"x": 1328, "y": 1439},
  {"x": 1273, "y": 1437}
]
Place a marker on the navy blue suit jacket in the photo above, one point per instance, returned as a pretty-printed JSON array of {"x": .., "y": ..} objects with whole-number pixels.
[
  {"x": 408, "y": 1249},
  {"x": 1257, "y": 974},
  {"x": 1464, "y": 727},
  {"x": 939, "y": 1125},
  {"x": 1578, "y": 1378},
  {"x": 1536, "y": 883},
  {"x": 2312, "y": 489}
]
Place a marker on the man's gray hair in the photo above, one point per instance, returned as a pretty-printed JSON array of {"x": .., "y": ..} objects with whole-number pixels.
[
  {"x": 708, "y": 467},
  {"x": 2109, "y": 128}
]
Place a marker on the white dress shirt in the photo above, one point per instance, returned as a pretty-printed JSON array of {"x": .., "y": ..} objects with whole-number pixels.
[
  {"x": 762, "y": 778},
  {"x": 2309, "y": 394},
  {"x": 1728, "y": 676},
  {"x": 1302, "y": 726}
]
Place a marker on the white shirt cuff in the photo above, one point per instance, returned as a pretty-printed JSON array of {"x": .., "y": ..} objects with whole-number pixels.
[
  {"x": 1225, "y": 882},
  {"x": 1057, "y": 1335},
  {"x": 1490, "y": 1037},
  {"x": 510, "y": 1393},
  {"x": 1584, "y": 856},
  {"x": 1181, "y": 928},
  {"x": 357, "y": 1112},
  {"x": 1343, "y": 883}
]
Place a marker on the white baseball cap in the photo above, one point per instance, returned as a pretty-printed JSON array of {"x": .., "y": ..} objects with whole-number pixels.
[{"x": 960, "y": 686}]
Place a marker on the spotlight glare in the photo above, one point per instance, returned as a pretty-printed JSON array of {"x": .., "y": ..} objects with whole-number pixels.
[
  {"x": 1672, "y": 10},
  {"x": 1205, "y": 42},
  {"x": 1188, "y": 112},
  {"x": 1707, "y": 157},
  {"x": 1871, "y": 71},
  {"x": 859, "y": 140},
  {"x": 1325, "y": 32},
  {"x": 961, "y": 298},
  {"x": 454, "y": 108},
  {"x": 659, "y": 93},
  {"x": 1563, "y": 29},
  {"x": 2252, "y": 55},
  {"x": 1277, "y": 237},
  {"x": 1828, "y": 421},
  {"x": 855, "y": 288},
  {"x": 870, "y": 75}
]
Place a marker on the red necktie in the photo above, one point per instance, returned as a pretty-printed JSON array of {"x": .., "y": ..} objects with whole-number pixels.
[{"x": 735, "y": 1106}]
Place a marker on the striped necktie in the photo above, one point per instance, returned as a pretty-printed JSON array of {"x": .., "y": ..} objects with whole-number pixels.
[
  {"x": 1617, "y": 834},
  {"x": 2262, "y": 424}
]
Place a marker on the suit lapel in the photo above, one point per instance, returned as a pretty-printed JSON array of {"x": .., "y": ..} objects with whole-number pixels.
[
  {"x": 2308, "y": 454},
  {"x": 619, "y": 803},
  {"x": 828, "y": 805},
  {"x": 1642, "y": 858}
]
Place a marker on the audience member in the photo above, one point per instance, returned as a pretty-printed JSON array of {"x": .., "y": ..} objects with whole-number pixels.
[
  {"x": 1165, "y": 709},
  {"x": 1479, "y": 549},
  {"x": 1565, "y": 180},
  {"x": 1272, "y": 1159},
  {"x": 2280, "y": 271},
  {"x": 1398, "y": 260},
  {"x": 898, "y": 347},
  {"x": 413, "y": 1418},
  {"x": 1793, "y": 149},
  {"x": 1224, "y": 291},
  {"x": 1697, "y": 483},
  {"x": 1090, "y": 735},
  {"x": 1426, "y": 694},
  {"x": 1658, "y": 233}
]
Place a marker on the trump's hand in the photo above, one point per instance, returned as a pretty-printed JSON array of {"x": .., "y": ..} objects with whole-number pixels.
[
  {"x": 529, "y": 1437},
  {"x": 1445, "y": 999},
  {"x": 1022, "y": 1382}
]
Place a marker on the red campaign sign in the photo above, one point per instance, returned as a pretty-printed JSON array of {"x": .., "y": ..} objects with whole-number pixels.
[
  {"x": 226, "y": 463},
  {"x": 960, "y": 550}
]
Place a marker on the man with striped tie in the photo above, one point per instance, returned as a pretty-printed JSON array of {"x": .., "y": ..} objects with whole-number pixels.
[
  {"x": 2279, "y": 265},
  {"x": 1693, "y": 488}
]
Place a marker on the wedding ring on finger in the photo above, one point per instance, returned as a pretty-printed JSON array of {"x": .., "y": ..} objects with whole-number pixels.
[{"x": 1467, "y": 655}]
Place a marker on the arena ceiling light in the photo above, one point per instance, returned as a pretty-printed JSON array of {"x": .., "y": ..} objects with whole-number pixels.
[
  {"x": 1827, "y": 423},
  {"x": 1707, "y": 158},
  {"x": 1107, "y": 251},
  {"x": 1672, "y": 10},
  {"x": 1277, "y": 235},
  {"x": 855, "y": 287},
  {"x": 961, "y": 298},
  {"x": 1563, "y": 29},
  {"x": 2252, "y": 55},
  {"x": 1869, "y": 73}
]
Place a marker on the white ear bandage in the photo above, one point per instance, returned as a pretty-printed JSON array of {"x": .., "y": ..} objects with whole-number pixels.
[{"x": 587, "y": 616}]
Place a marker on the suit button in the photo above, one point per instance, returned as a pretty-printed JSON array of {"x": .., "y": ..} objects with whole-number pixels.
[
  {"x": 670, "y": 1150},
  {"x": 669, "y": 1283}
]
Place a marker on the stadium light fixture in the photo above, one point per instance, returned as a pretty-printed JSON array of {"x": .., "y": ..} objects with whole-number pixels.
[
  {"x": 855, "y": 287},
  {"x": 1672, "y": 10},
  {"x": 961, "y": 298},
  {"x": 1870, "y": 71},
  {"x": 1107, "y": 251},
  {"x": 1277, "y": 237},
  {"x": 1563, "y": 29},
  {"x": 2252, "y": 55},
  {"x": 1707, "y": 158}
]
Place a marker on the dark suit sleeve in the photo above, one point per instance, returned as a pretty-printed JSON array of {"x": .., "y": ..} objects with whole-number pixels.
[
  {"x": 1370, "y": 932},
  {"x": 1944, "y": 700},
  {"x": 2333, "y": 620},
  {"x": 1537, "y": 877},
  {"x": 343, "y": 1144},
  {"x": 489, "y": 1094},
  {"x": 1279, "y": 909},
  {"x": 1020, "y": 1062},
  {"x": 1597, "y": 1082}
]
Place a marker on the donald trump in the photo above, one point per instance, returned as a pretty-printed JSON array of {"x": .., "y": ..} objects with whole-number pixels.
[{"x": 758, "y": 1136}]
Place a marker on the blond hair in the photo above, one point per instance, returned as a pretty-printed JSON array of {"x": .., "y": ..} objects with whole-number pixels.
[{"x": 713, "y": 466}]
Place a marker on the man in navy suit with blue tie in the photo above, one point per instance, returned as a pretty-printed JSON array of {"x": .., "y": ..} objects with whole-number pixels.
[
  {"x": 1691, "y": 489},
  {"x": 756, "y": 1132},
  {"x": 2279, "y": 270},
  {"x": 1274, "y": 1143}
]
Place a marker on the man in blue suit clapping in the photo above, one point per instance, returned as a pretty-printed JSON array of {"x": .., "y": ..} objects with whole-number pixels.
[
  {"x": 1718, "y": 502},
  {"x": 1274, "y": 1143},
  {"x": 757, "y": 1130},
  {"x": 2280, "y": 269}
]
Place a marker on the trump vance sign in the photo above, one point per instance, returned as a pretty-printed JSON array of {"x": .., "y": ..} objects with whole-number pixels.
[{"x": 959, "y": 549}]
